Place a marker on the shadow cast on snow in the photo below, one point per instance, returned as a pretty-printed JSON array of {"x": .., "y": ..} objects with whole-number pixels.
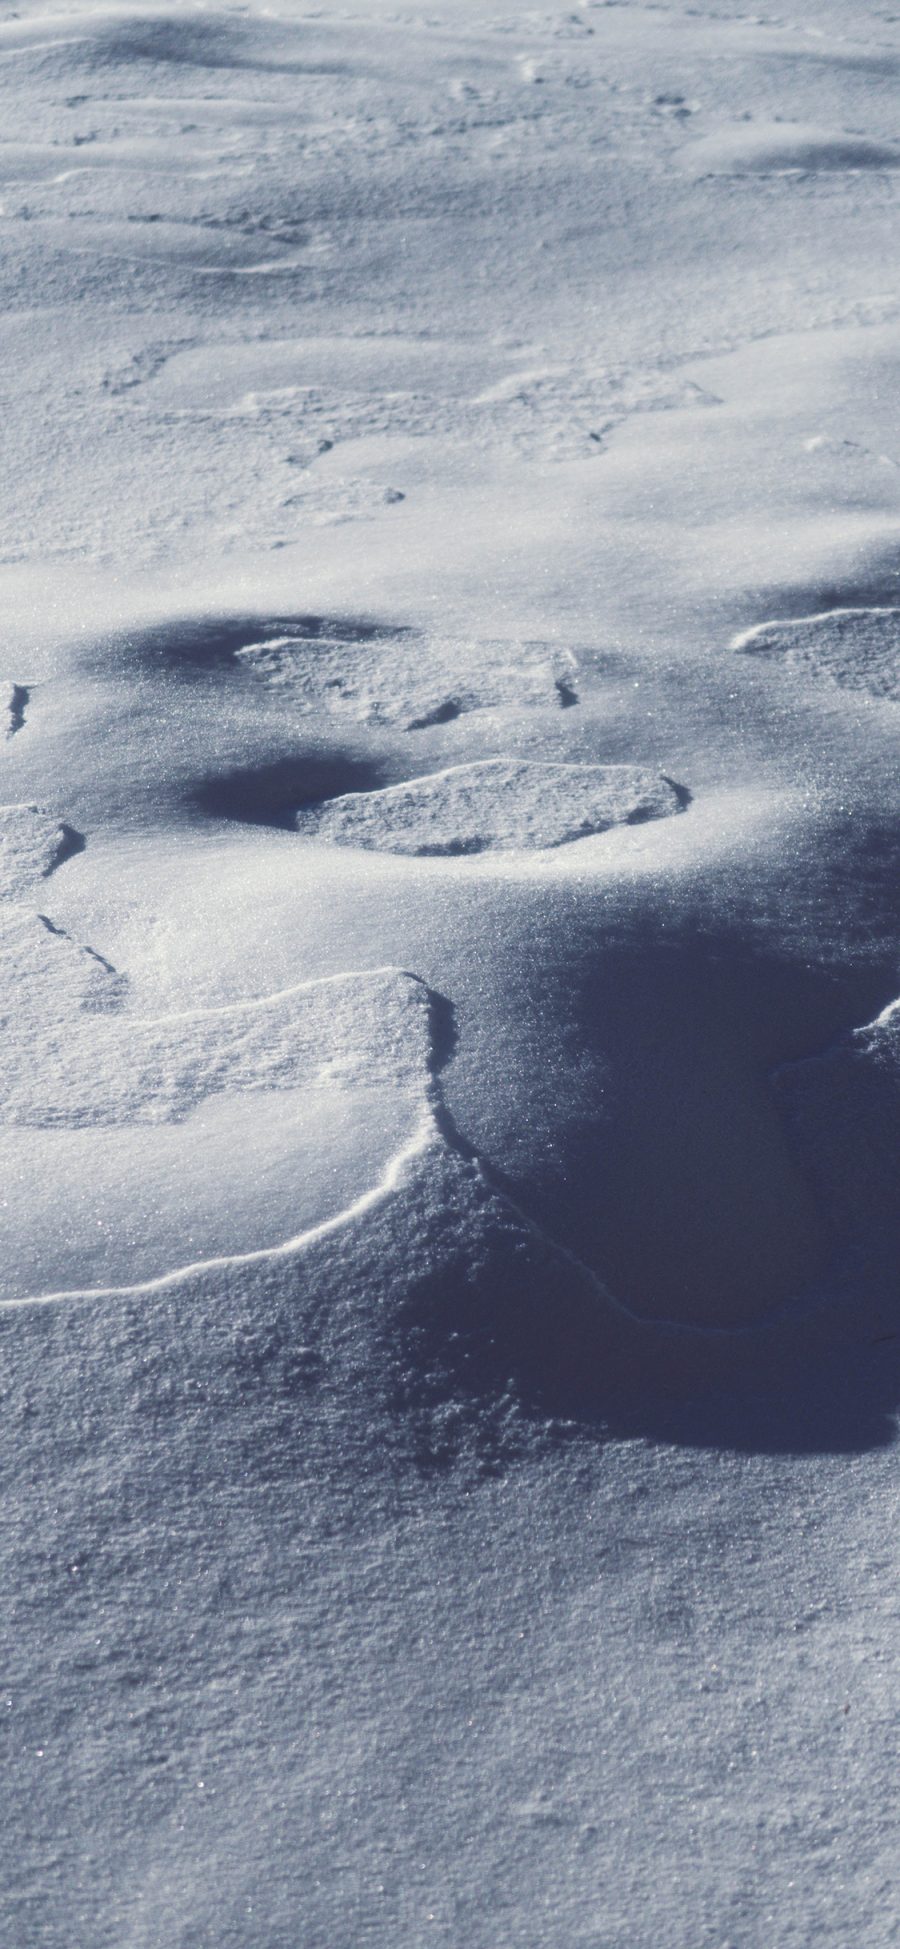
[
  {"x": 193, "y": 645},
  {"x": 805, "y": 1385},
  {"x": 272, "y": 793},
  {"x": 816, "y": 1369}
]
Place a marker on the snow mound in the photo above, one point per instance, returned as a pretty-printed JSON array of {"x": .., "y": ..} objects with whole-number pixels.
[
  {"x": 217, "y": 1134},
  {"x": 761, "y": 148},
  {"x": 120, "y": 37},
  {"x": 407, "y": 681},
  {"x": 32, "y": 844},
  {"x": 235, "y": 1179},
  {"x": 343, "y": 1032},
  {"x": 856, "y": 649},
  {"x": 499, "y": 805}
]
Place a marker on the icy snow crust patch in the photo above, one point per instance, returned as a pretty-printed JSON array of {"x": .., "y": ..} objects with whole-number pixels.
[
  {"x": 494, "y": 806},
  {"x": 856, "y": 649},
  {"x": 338, "y": 1075},
  {"x": 412, "y": 684}
]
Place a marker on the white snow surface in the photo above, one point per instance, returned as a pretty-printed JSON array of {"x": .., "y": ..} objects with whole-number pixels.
[
  {"x": 493, "y": 806},
  {"x": 449, "y": 1220},
  {"x": 32, "y": 844},
  {"x": 380, "y": 678},
  {"x": 857, "y": 649}
]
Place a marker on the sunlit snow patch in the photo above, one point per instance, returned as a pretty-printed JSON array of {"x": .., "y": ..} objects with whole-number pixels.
[
  {"x": 409, "y": 681},
  {"x": 132, "y": 1147},
  {"x": 856, "y": 649},
  {"x": 32, "y": 843},
  {"x": 500, "y": 805}
]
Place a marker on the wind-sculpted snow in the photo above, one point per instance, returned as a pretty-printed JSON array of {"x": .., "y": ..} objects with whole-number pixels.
[
  {"x": 310, "y": 1128},
  {"x": 450, "y": 1354},
  {"x": 321, "y": 394},
  {"x": 32, "y": 843},
  {"x": 49, "y": 980},
  {"x": 215, "y": 1134},
  {"x": 498, "y": 805},
  {"x": 344, "y": 1032},
  {"x": 180, "y": 243},
  {"x": 411, "y": 681},
  {"x": 368, "y": 671},
  {"x": 772, "y": 148},
  {"x": 116, "y": 38},
  {"x": 854, "y": 649}
]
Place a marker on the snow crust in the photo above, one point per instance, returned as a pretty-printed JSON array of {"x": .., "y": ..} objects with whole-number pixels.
[
  {"x": 493, "y": 805},
  {"x": 857, "y": 649},
  {"x": 411, "y": 683}
]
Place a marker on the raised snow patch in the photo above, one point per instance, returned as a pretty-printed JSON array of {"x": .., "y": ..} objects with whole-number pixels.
[
  {"x": 236, "y": 1176},
  {"x": 855, "y": 649},
  {"x": 499, "y": 805},
  {"x": 343, "y": 1032},
  {"x": 130, "y": 1147},
  {"x": 406, "y": 680}
]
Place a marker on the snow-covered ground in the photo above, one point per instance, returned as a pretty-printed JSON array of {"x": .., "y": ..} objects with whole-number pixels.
[{"x": 449, "y": 975}]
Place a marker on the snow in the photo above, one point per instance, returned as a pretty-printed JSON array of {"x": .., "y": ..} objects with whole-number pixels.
[
  {"x": 788, "y": 145},
  {"x": 493, "y": 805},
  {"x": 32, "y": 844},
  {"x": 857, "y": 649},
  {"x": 448, "y": 1207},
  {"x": 361, "y": 672}
]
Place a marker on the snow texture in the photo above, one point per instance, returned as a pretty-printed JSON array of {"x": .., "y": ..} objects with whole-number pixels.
[
  {"x": 779, "y": 146},
  {"x": 32, "y": 844},
  {"x": 494, "y": 806},
  {"x": 448, "y": 1206},
  {"x": 413, "y": 684},
  {"x": 856, "y": 649},
  {"x": 845, "y": 1107},
  {"x": 118, "y": 1069},
  {"x": 15, "y": 703}
]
